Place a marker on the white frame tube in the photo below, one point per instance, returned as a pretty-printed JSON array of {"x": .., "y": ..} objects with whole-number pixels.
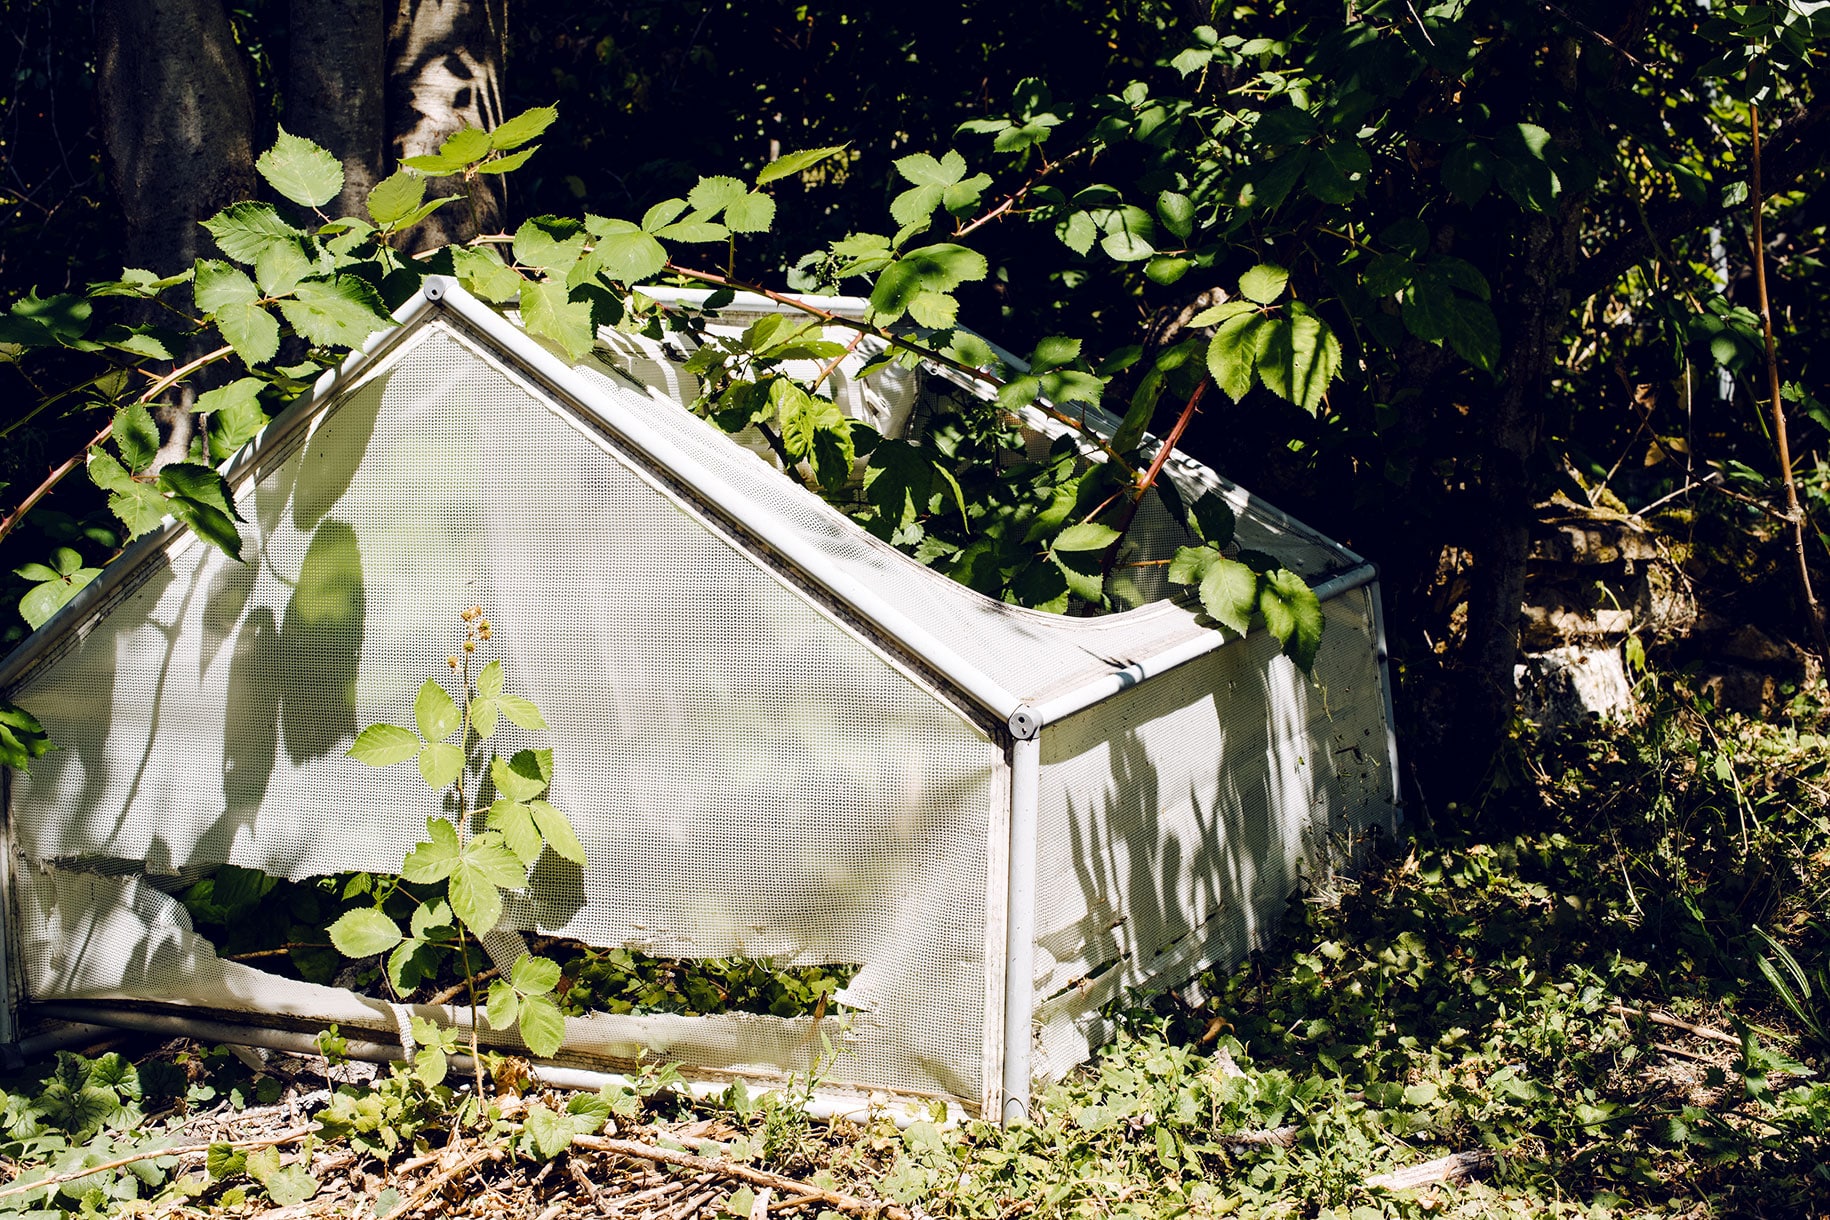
[{"x": 1020, "y": 928}]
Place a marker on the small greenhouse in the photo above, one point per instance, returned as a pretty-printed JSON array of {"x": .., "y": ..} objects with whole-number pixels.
[{"x": 780, "y": 739}]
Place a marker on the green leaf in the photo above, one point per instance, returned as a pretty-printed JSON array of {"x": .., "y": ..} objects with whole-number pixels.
[
  {"x": 237, "y": 395},
  {"x": 515, "y": 822},
  {"x": 547, "y": 310},
  {"x": 753, "y": 213},
  {"x": 194, "y": 481},
  {"x": 1229, "y": 593},
  {"x": 795, "y": 163},
  {"x": 1232, "y": 353},
  {"x": 534, "y": 975},
  {"x": 136, "y": 435},
  {"x": 710, "y": 196},
  {"x": 430, "y": 1065},
  {"x": 937, "y": 268},
  {"x": 139, "y": 505},
  {"x": 489, "y": 680},
  {"x": 383, "y": 745},
  {"x": 339, "y": 312},
  {"x": 548, "y": 1133},
  {"x": 225, "y": 1160},
  {"x": 504, "y": 1005},
  {"x": 543, "y": 1026},
  {"x": 481, "y": 271},
  {"x": 434, "y": 859},
  {"x": 518, "y": 779},
  {"x": 557, "y": 830},
  {"x": 244, "y": 230},
  {"x": 301, "y": 171},
  {"x": 1298, "y": 357},
  {"x": 1177, "y": 213},
  {"x": 1292, "y": 615},
  {"x": 693, "y": 231},
  {"x": 1263, "y": 283},
  {"x": 551, "y": 243},
  {"x": 629, "y": 257},
  {"x": 440, "y": 763},
  {"x": 513, "y": 133},
  {"x": 466, "y": 144},
  {"x": 435, "y": 712},
  {"x": 1087, "y": 536},
  {"x": 364, "y": 932},
  {"x": 1474, "y": 333},
  {"x": 47, "y": 598},
  {"x": 22, "y": 738},
  {"x": 508, "y": 164},
  {"x": 477, "y": 879},
  {"x": 1466, "y": 172},
  {"x": 395, "y": 197},
  {"x": 1213, "y": 519},
  {"x": 1190, "y": 564},
  {"x": 522, "y": 712}
]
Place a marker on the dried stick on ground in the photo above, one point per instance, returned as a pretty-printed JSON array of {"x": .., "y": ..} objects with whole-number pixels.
[
  {"x": 1456, "y": 1167},
  {"x": 742, "y": 1173},
  {"x": 1659, "y": 1018}
]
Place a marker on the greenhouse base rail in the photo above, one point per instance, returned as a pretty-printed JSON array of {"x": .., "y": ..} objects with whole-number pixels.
[{"x": 94, "y": 1020}]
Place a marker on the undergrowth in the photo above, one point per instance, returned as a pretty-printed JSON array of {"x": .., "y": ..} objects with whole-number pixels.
[{"x": 1526, "y": 978}]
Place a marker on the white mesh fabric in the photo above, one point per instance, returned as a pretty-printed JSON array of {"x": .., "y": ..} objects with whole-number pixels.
[
  {"x": 1176, "y": 818},
  {"x": 748, "y": 776}
]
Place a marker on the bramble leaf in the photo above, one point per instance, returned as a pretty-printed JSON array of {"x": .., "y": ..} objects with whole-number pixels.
[
  {"x": 383, "y": 745},
  {"x": 301, "y": 171}
]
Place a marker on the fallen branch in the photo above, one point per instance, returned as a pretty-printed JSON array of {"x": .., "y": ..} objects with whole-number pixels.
[
  {"x": 444, "y": 1177},
  {"x": 1456, "y": 1167},
  {"x": 284, "y": 1137},
  {"x": 1282, "y": 1137},
  {"x": 742, "y": 1173},
  {"x": 1659, "y": 1018}
]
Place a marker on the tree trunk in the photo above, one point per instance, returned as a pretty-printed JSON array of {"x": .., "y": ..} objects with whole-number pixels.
[
  {"x": 444, "y": 67},
  {"x": 177, "y": 122},
  {"x": 334, "y": 93},
  {"x": 178, "y": 125}
]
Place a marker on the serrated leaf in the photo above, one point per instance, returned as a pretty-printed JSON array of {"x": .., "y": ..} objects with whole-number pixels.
[
  {"x": 1176, "y": 212},
  {"x": 364, "y": 932},
  {"x": 508, "y": 164},
  {"x": 238, "y": 394},
  {"x": 515, "y": 822},
  {"x": 434, "y": 859},
  {"x": 543, "y": 1026},
  {"x": 1263, "y": 283},
  {"x": 230, "y": 299},
  {"x": 752, "y": 213},
  {"x": 557, "y": 830},
  {"x": 195, "y": 481},
  {"x": 481, "y": 270},
  {"x": 1213, "y": 519},
  {"x": 934, "y": 310},
  {"x": 629, "y": 257},
  {"x": 395, "y": 196},
  {"x": 547, "y": 310},
  {"x": 483, "y": 717},
  {"x": 489, "y": 680},
  {"x": 1087, "y": 536},
  {"x": 522, "y": 712},
  {"x": 440, "y": 764},
  {"x": 1190, "y": 564},
  {"x": 430, "y": 1065},
  {"x": 243, "y": 230},
  {"x": 710, "y": 196},
  {"x": 435, "y": 712},
  {"x": 1221, "y": 312},
  {"x": 503, "y": 1006},
  {"x": 383, "y": 745},
  {"x": 429, "y": 917},
  {"x": 795, "y": 163},
  {"x": 548, "y": 1134},
  {"x": 301, "y": 171},
  {"x": 339, "y": 312},
  {"x": 1232, "y": 353},
  {"x": 475, "y": 887},
  {"x": 139, "y": 506},
  {"x": 46, "y": 599},
  {"x": 937, "y": 268},
  {"x": 517, "y": 779},
  {"x": 136, "y": 435},
  {"x": 551, "y": 243},
  {"x": 1298, "y": 357},
  {"x": 513, "y": 133},
  {"x": 205, "y": 519},
  {"x": 534, "y": 975},
  {"x": 693, "y": 231},
  {"x": 1229, "y": 593},
  {"x": 224, "y": 1160},
  {"x": 1292, "y": 615},
  {"x": 466, "y": 144}
]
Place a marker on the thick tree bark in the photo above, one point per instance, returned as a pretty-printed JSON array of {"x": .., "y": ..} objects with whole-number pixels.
[
  {"x": 178, "y": 125},
  {"x": 177, "y": 122},
  {"x": 334, "y": 89},
  {"x": 444, "y": 70}
]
